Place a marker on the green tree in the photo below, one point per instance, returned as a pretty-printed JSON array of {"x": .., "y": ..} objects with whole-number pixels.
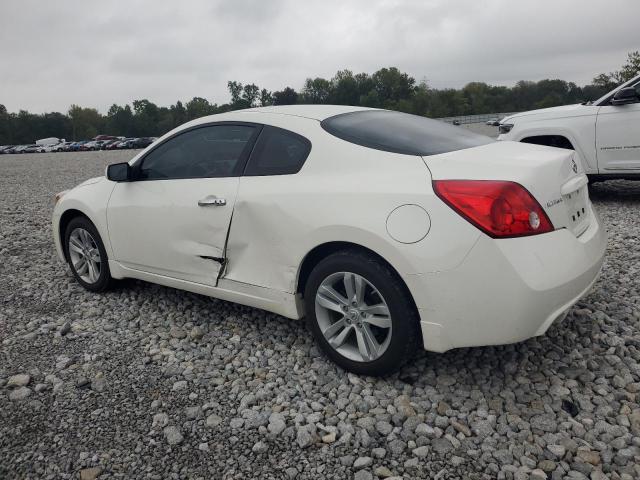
[
  {"x": 266, "y": 98},
  {"x": 392, "y": 85},
  {"x": 345, "y": 89},
  {"x": 235, "y": 89},
  {"x": 198, "y": 107},
  {"x": 250, "y": 95},
  {"x": 288, "y": 96},
  {"x": 146, "y": 117},
  {"x": 178, "y": 114},
  {"x": 120, "y": 120},
  {"x": 316, "y": 90},
  {"x": 85, "y": 122}
]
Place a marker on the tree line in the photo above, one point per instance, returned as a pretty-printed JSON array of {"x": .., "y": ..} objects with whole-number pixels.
[{"x": 386, "y": 88}]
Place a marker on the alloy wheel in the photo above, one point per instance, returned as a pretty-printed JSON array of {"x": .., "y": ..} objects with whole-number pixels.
[
  {"x": 85, "y": 255},
  {"x": 353, "y": 316}
]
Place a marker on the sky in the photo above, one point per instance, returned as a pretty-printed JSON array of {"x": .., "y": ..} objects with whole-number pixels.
[{"x": 96, "y": 53}]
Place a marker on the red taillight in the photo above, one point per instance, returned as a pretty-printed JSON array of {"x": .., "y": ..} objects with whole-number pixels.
[{"x": 498, "y": 208}]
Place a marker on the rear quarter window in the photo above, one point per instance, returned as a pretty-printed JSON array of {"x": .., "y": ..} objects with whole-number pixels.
[
  {"x": 278, "y": 152},
  {"x": 401, "y": 132}
]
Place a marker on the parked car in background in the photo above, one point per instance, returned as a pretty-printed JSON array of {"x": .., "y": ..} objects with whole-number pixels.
[
  {"x": 115, "y": 144},
  {"x": 19, "y": 148},
  {"x": 77, "y": 146},
  {"x": 126, "y": 143},
  {"x": 605, "y": 134},
  {"x": 108, "y": 143},
  {"x": 90, "y": 145},
  {"x": 63, "y": 147},
  {"x": 93, "y": 145},
  {"x": 390, "y": 232},
  {"x": 141, "y": 142},
  {"x": 32, "y": 149},
  {"x": 6, "y": 149},
  {"x": 46, "y": 148}
]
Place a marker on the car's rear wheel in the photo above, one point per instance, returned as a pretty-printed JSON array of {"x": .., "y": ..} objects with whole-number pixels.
[
  {"x": 86, "y": 255},
  {"x": 361, "y": 313}
]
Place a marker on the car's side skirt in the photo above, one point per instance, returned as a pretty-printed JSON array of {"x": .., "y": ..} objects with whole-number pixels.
[{"x": 283, "y": 303}]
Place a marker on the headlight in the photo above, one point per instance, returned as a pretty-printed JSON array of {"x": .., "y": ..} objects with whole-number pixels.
[
  {"x": 505, "y": 127},
  {"x": 58, "y": 196}
]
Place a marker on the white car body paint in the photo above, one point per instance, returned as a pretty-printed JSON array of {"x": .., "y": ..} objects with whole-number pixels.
[
  {"x": 605, "y": 137},
  {"x": 469, "y": 289}
]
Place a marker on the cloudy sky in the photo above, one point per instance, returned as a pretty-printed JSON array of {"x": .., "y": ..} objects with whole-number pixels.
[{"x": 96, "y": 53}]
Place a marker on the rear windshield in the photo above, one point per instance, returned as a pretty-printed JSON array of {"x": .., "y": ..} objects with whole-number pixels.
[{"x": 401, "y": 132}]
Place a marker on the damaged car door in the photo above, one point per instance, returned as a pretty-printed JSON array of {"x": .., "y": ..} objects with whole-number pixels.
[{"x": 172, "y": 217}]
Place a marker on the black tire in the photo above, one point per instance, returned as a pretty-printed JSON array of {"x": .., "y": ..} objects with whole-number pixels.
[
  {"x": 405, "y": 331},
  {"x": 104, "y": 281}
]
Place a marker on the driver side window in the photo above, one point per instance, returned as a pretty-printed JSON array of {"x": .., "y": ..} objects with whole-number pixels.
[{"x": 205, "y": 152}]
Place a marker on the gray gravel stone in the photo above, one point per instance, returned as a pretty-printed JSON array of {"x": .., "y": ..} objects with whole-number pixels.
[
  {"x": 291, "y": 473},
  {"x": 378, "y": 452},
  {"x": 383, "y": 472},
  {"x": 558, "y": 451},
  {"x": 441, "y": 445},
  {"x": 259, "y": 447},
  {"x": 277, "y": 423},
  {"x": 213, "y": 420},
  {"x": 173, "y": 435},
  {"x": 304, "y": 437},
  {"x": 362, "y": 462},
  {"x": 179, "y": 385},
  {"x": 20, "y": 393},
  {"x": 421, "y": 452},
  {"x": 363, "y": 475},
  {"x": 538, "y": 474},
  {"x": 160, "y": 420},
  {"x": 397, "y": 446},
  {"x": 20, "y": 380}
]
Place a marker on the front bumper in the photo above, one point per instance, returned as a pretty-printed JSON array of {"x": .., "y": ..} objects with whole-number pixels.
[
  {"x": 55, "y": 228},
  {"x": 508, "y": 290}
]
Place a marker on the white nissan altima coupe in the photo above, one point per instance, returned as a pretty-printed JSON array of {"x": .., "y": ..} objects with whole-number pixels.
[{"x": 386, "y": 230}]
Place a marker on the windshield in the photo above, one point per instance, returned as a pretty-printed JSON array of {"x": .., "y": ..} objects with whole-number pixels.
[
  {"x": 401, "y": 132},
  {"x": 606, "y": 96}
]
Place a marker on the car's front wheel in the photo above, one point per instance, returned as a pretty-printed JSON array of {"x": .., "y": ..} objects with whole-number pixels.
[
  {"x": 361, "y": 314},
  {"x": 86, "y": 255}
]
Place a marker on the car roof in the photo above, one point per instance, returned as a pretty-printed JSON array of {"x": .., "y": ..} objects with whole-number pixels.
[{"x": 314, "y": 112}]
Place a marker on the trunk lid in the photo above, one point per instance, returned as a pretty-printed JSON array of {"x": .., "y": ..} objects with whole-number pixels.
[{"x": 552, "y": 175}]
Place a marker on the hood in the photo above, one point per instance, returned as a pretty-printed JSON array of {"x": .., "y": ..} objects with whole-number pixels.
[
  {"x": 553, "y": 112},
  {"x": 90, "y": 181}
]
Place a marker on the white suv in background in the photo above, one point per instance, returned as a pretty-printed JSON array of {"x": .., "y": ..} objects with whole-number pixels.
[{"x": 605, "y": 134}]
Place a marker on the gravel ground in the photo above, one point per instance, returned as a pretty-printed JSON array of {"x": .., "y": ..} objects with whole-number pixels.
[{"x": 150, "y": 382}]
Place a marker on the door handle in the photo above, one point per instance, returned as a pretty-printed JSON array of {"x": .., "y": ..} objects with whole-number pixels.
[{"x": 212, "y": 201}]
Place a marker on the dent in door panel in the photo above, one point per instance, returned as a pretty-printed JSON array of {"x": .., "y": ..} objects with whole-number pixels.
[{"x": 260, "y": 261}]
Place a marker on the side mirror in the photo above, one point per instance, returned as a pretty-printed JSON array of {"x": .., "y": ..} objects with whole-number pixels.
[
  {"x": 119, "y": 172},
  {"x": 625, "y": 96}
]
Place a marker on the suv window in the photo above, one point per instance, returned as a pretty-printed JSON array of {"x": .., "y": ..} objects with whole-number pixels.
[
  {"x": 209, "y": 151},
  {"x": 401, "y": 132},
  {"x": 278, "y": 152}
]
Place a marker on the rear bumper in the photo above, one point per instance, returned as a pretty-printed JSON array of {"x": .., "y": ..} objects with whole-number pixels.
[{"x": 508, "y": 290}]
